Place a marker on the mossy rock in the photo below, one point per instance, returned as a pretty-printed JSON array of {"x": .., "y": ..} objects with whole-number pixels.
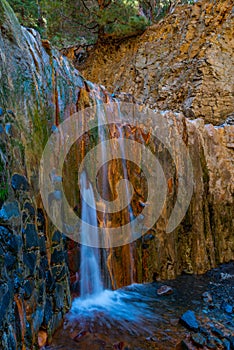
[{"x": 9, "y": 24}]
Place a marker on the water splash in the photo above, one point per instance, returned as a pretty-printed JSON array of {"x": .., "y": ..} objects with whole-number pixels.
[{"x": 131, "y": 310}]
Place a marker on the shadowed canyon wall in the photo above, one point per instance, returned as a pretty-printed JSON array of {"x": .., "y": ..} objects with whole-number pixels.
[{"x": 39, "y": 89}]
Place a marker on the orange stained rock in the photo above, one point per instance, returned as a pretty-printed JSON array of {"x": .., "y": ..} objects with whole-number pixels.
[
  {"x": 21, "y": 312},
  {"x": 42, "y": 338},
  {"x": 170, "y": 185}
]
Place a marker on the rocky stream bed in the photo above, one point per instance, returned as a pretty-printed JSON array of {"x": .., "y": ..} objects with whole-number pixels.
[{"x": 193, "y": 312}]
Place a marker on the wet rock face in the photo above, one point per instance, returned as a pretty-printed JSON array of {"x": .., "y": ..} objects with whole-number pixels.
[
  {"x": 185, "y": 62},
  {"x": 39, "y": 89},
  {"x": 205, "y": 237},
  {"x": 27, "y": 294},
  {"x": 35, "y": 92}
]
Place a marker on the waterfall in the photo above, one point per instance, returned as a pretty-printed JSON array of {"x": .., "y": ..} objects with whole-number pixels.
[
  {"x": 90, "y": 259},
  {"x": 94, "y": 261}
]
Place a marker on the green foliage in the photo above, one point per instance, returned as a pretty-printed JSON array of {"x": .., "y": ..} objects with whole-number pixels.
[
  {"x": 3, "y": 192},
  {"x": 26, "y": 11},
  {"x": 121, "y": 18},
  {"x": 157, "y": 9},
  {"x": 3, "y": 182},
  {"x": 70, "y": 22}
]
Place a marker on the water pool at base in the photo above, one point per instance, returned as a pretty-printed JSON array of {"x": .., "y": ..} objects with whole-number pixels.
[{"x": 136, "y": 317}]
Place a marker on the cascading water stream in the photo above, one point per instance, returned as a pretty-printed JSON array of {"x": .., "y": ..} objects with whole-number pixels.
[
  {"x": 102, "y": 117},
  {"x": 90, "y": 259},
  {"x": 98, "y": 306}
]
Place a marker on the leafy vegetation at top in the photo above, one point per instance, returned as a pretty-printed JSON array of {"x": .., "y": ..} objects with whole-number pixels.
[{"x": 66, "y": 22}]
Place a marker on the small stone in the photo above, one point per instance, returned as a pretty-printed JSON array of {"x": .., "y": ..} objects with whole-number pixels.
[
  {"x": 9, "y": 111},
  {"x": 164, "y": 290},
  {"x": 231, "y": 340},
  {"x": 57, "y": 257},
  {"x": 9, "y": 260},
  {"x": 218, "y": 341},
  {"x": 43, "y": 265},
  {"x": 6, "y": 294},
  {"x": 227, "y": 308},
  {"x": 173, "y": 321},
  {"x": 204, "y": 331},
  {"x": 30, "y": 210},
  {"x": 188, "y": 319},
  {"x": 207, "y": 297},
  {"x": 56, "y": 238},
  {"x": 18, "y": 281},
  {"x": 211, "y": 345},
  {"x": 54, "y": 129},
  {"x": 12, "y": 241},
  {"x": 28, "y": 288},
  {"x": 42, "y": 245},
  {"x": 119, "y": 346},
  {"x": 79, "y": 336},
  {"x": 205, "y": 311},
  {"x": 214, "y": 340},
  {"x": 59, "y": 273},
  {"x": 227, "y": 345},
  {"x": 149, "y": 237},
  {"x": 48, "y": 311},
  {"x": 9, "y": 211},
  {"x": 154, "y": 339},
  {"x": 29, "y": 260},
  {"x": 184, "y": 345},
  {"x": 145, "y": 246},
  {"x": 217, "y": 332},
  {"x": 31, "y": 236},
  {"x": 59, "y": 297},
  {"x": 198, "y": 339},
  {"x": 50, "y": 282},
  {"x": 19, "y": 183},
  {"x": 8, "y": 129},
  {"x": 40, "y": 220}
]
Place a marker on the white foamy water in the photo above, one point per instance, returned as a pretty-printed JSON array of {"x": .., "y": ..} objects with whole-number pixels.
[
  {"x": 90, "y": 283},
  {"x": 131, "y": 309}
]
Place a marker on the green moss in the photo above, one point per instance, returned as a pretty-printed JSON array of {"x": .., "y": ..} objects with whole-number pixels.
[
  {"x": 17, "y": 143},
  {"x": 10, "y": 26},
  {"x": 39, "y": 135},
  {"x": 3, "y": 182},
  {"x": 3, "y": 192}
]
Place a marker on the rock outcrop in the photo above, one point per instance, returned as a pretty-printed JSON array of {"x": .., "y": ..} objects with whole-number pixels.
[
  {"x": 205, "y": 236},
  {"x": 38, "y": 89},
  {"x": 185, "y": 62}
]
